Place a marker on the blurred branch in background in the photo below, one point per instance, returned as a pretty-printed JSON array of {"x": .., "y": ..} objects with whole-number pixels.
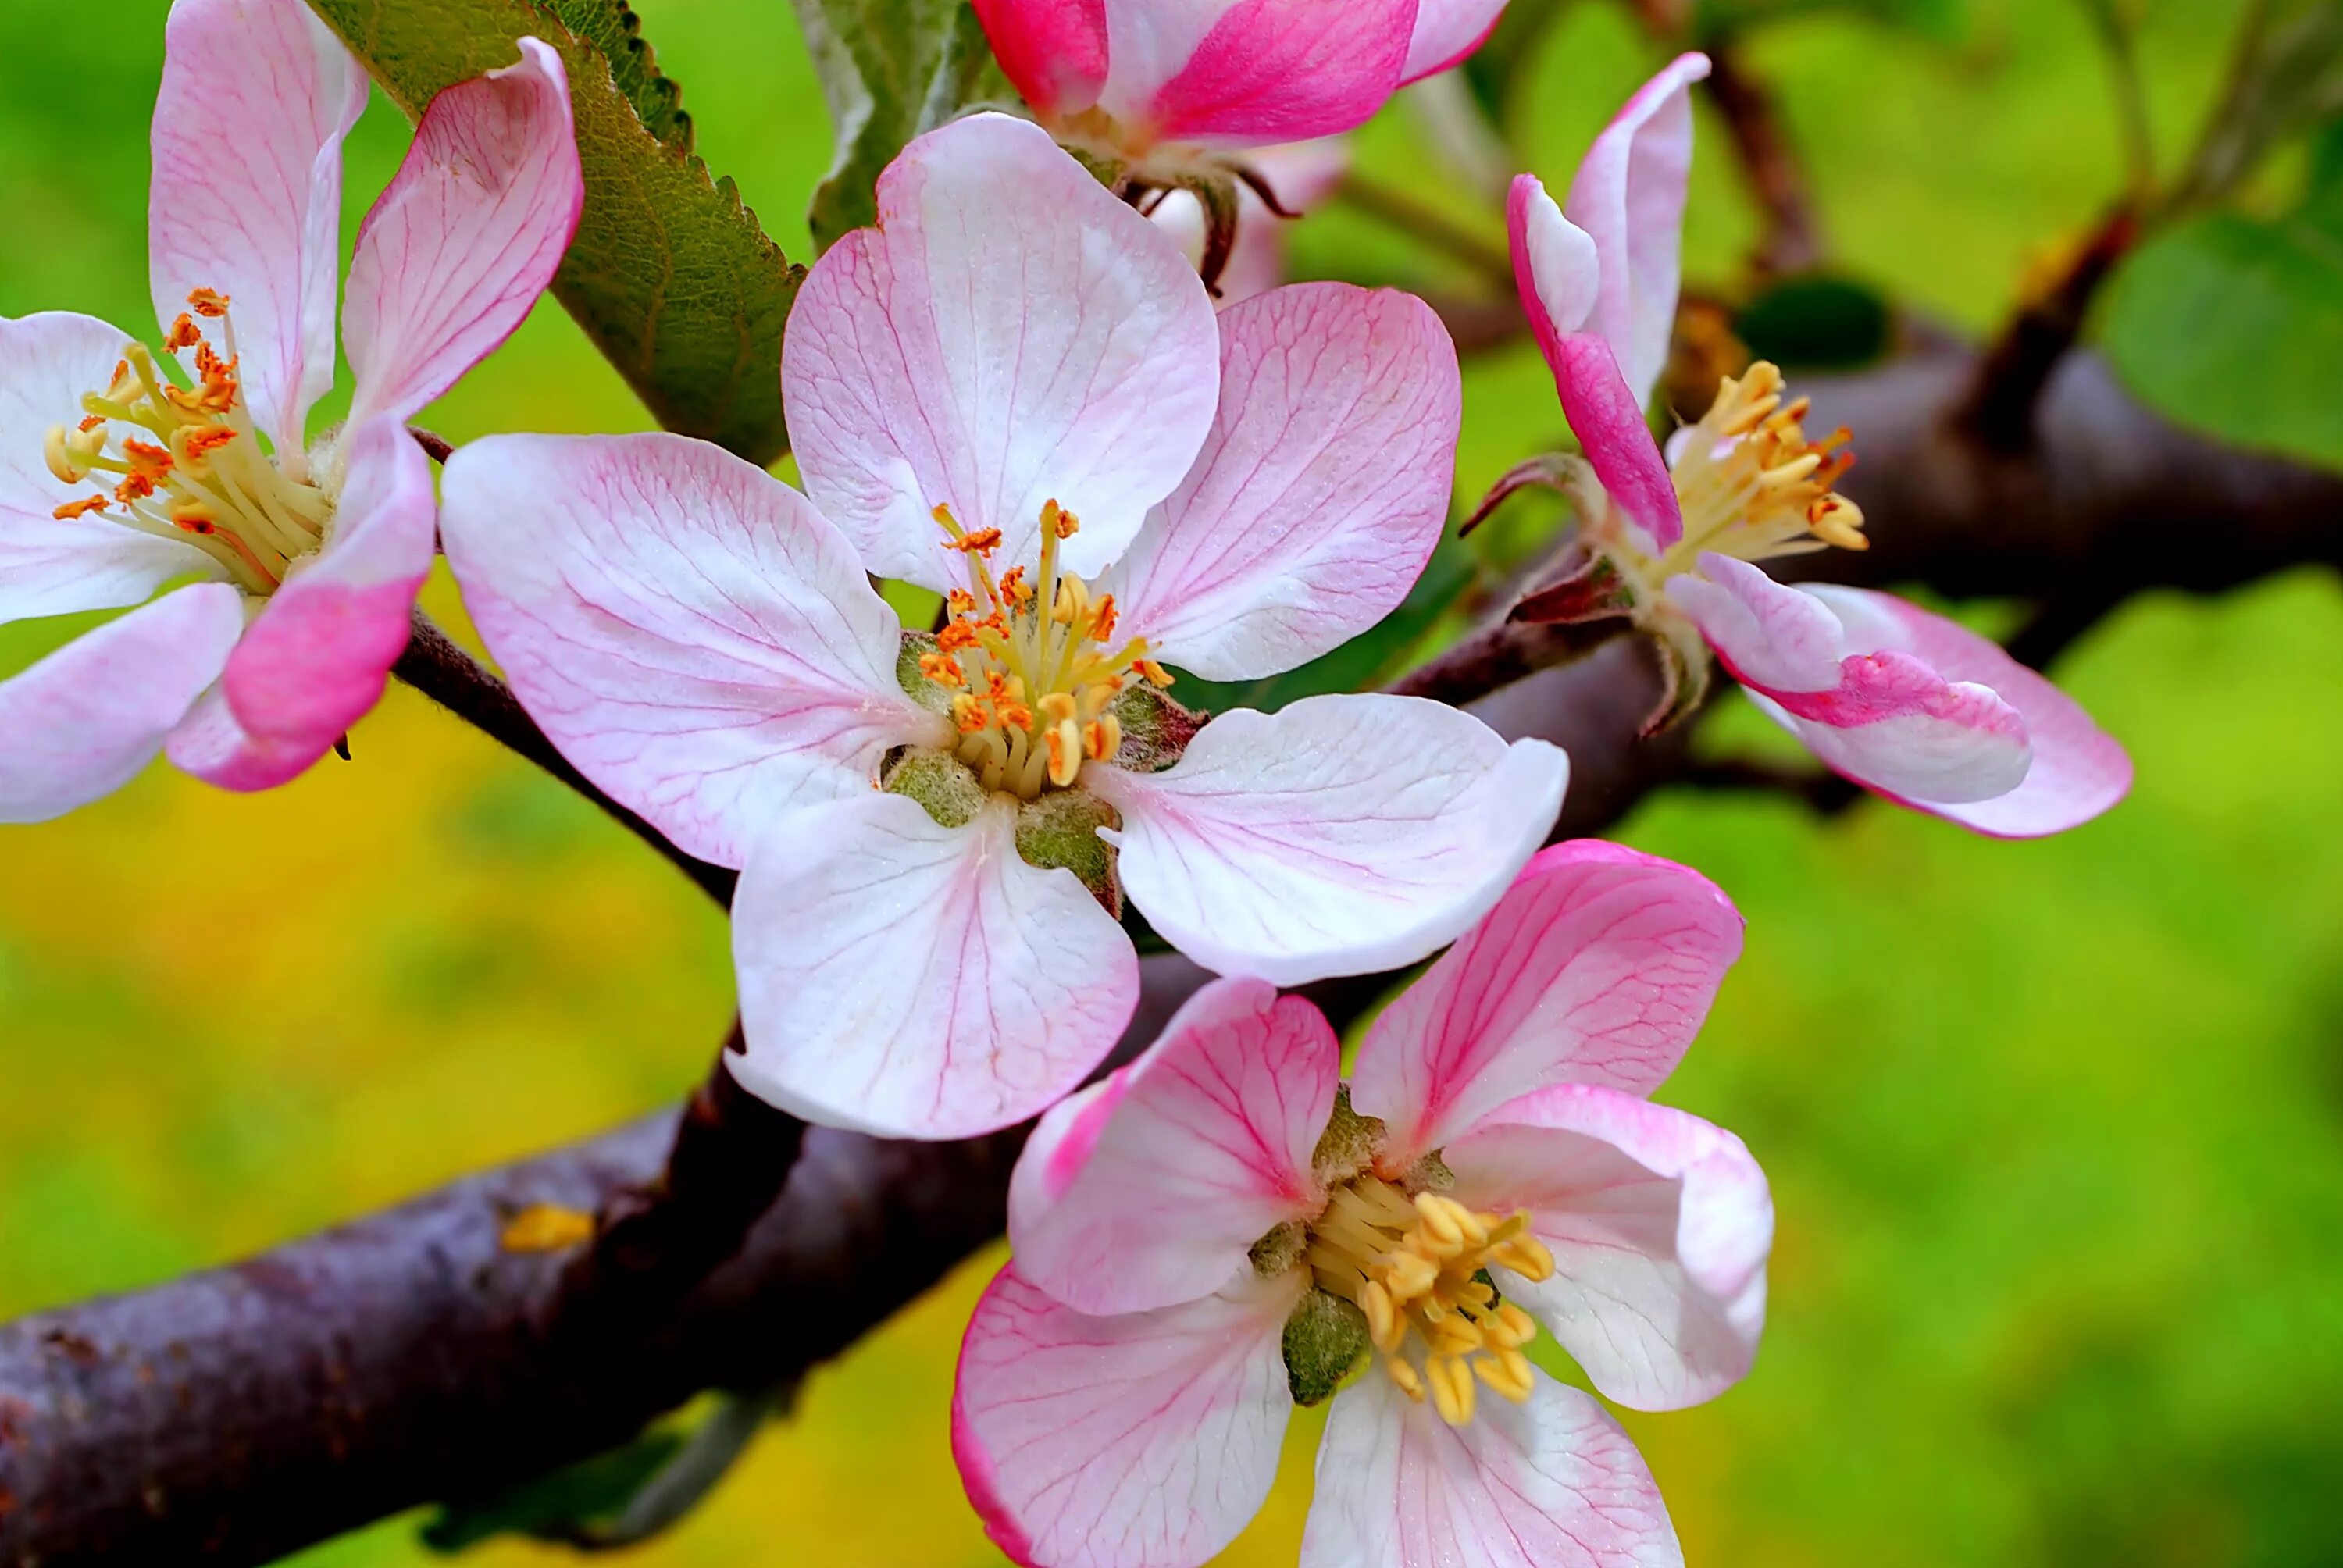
[
  {"x": 415, "y": 1355},
  {"x": 1791, "y": 239}
]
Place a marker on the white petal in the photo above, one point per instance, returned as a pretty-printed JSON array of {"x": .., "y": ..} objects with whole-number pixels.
[
  {"x": 912, "y": 980},
  {"x": 1342, "y": 835}
]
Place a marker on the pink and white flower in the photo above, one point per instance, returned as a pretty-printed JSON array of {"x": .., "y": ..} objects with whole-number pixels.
[
  {"x": 1905, "y": 703},
  {"x": 1301, "y": 176},
  {"x": 1220, "y": 1231},
  {"x": 122, "y": 473},
  {"x": 1137, "y": 79},
  {"x": 1014, "y": 390}
]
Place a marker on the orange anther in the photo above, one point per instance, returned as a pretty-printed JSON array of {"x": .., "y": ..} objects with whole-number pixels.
[
  {"x": 208, "y": 302},
  {"x": 207, "y": 438},
  {"x": 1155, "y": 673},
  {"x": 942, "y": 668},
  {"x": 1017, "y": 715},
  {"x": 983, "y": 542},
  {"x": 963, "y": 602},
  {"x": 91, "y": 423},
  {"x": 956, "y": 637},
  {"x": 184, "y": 334},
  {"x": 147, "y": 461},
  {"x": 133, "y": 488},
  {"x": 1102, "y": 622},
  {"x": 87, "y": 504},
  {"x": 1013, "y": 586}
]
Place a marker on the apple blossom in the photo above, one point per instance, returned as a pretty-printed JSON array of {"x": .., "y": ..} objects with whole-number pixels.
[
  {"x": 122, "y": 472},
  {"x": 1906, "y": 703},
  {"x": 1221, "y": 1232},
  {"x": 1014, "y": 391}
]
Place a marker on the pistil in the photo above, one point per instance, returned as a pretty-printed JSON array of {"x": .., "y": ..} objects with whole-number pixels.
[
  {"x": 1418, "y": 1267},
  {"x": 1033, "y": 685},
  {"x": 204, "y": 476}
]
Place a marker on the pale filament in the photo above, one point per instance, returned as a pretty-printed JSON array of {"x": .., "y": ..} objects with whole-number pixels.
[
  {"x": 1417, "y": 1266},
  {"x": 1751, "y": 484},
  {"x": 1034, "y": 685},
  {"x": 202, "y": 478}
]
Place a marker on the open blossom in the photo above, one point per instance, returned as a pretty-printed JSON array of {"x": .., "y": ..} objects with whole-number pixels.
[
  {"x": 1156, "y": 80},
  {"x": 1221, "y": 1232},
  {"x": 1015, "y": 392},
  {"x": 123, "y": 471},
  {"x": 1904, "y": 702}
]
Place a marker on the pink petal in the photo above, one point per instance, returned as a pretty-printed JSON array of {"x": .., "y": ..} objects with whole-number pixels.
[
  {"x": 690, "y": 632},
  {"x": 48, "y": 566},
  {"x": 1629, "y": 198},
  {"x": 1010, "y": 334},
  {"x": 1242, "y": 73},
  {"x": 1858, "y": 693},
  {"x": 1150, "y": 1189},
  {"x": 1147, "y": 1440},
  {"x": 912, "y": 980},
  {"x": 1598, "y": 966},
  {"x": 210, "y": 744},
  {"x": 466, "y": 236},
  {"x": 1341, "y": 835},
  {"x": 1052, "y": 51},
  {"x": 82, "y": 722},
  {"x": 1447, "y": 31},
  {"x": 1320, "y": 492},
  {"x": 2078, "y": 769},
  {"x": 1659, "y": 1223},
  {"x": 1561, "y": 277},
  {"x": 1550, "y": 1484},
  {"x": 256, "y": 98},
  {"x": 317, "y": 660}
]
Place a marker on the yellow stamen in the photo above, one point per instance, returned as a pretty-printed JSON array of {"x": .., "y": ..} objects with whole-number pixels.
[
  {"x": 1416, "y": 1264},
  {"x": 1750, "y": 483}
]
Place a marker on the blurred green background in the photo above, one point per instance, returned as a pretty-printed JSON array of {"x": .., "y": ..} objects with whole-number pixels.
[{"x": 2056, "y": 1130}]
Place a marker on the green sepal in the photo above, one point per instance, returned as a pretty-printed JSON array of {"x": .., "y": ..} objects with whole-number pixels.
[
  {"x": 939, "y": 781},
  {"x": 1326, "y": 1343},
  {"x": 1349, "y": 1143},
  {"x": 1060, "y": 831},
  {"x": 1155, "y": 728}
]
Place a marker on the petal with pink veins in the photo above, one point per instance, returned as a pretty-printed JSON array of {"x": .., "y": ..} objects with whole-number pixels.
[
  {"x": 690, "y": 632},
  {"x": 1561, "y": 276},
  {"x": 466, "y": 236},
  {"x": 1553, "y": 1483},
  {"x": 1238, "y": 73},
  {"x": 318, "y": 657},
  {"x": 1010, "y": 334},
  {"x": 1341, "y": 835},
  {"x": 1598, "y": 966},
  {"x": 82, "y": 722},
  {"x": 2078, "y": 769},
  {"x": 1629, "y": 198},
  {"x": 1150, "y": 1189},
  {"x": 1447, "y": 31},
  {"x": 1659, "y": 1223},
  {"x": 1320, "y": 493},
  {"x": 256, "y": 98},
  {"x": 1145, "y": 1440},
  {"x": 1052, "y": 51},
  {"x": 1858, "y": 685},
  {"x": 912, "y": 980},
  {"x": 50, "y": 566}
]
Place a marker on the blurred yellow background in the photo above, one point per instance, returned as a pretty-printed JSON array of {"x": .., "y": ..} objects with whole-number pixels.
[{"x": 2056, "y": 1130}]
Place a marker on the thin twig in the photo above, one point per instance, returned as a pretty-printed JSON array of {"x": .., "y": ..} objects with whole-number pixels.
[
  {"x": 437, "y": 665},
  {"x": 1999, "y": 410}
]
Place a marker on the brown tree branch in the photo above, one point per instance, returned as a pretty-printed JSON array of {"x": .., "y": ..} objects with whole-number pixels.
[
  {"x": 235, "y": 1415},
  {"x": 1792, "y": 240}
]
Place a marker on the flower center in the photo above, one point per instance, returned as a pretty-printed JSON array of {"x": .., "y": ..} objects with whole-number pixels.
[
  {"x": 1033, "y": 683},
  {"x": 1418, "y": 1267},
  {"x": 199, "y": 473},
  {"x": 1751, "y": 484}
]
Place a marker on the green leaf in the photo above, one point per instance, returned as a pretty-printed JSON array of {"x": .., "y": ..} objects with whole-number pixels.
[
  {"x": 890, "y": 70},
  {"x": 1816, "y": 323},
  {"x": 2233, "y": 326},
  {"x": 1945, "y": 21},
  {"x": 2286, "y": 75},
  {"x": 669, "y": 274}
]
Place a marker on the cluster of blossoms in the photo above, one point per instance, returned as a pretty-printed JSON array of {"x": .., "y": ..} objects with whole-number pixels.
[{"x": 1015, "y": 390}]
